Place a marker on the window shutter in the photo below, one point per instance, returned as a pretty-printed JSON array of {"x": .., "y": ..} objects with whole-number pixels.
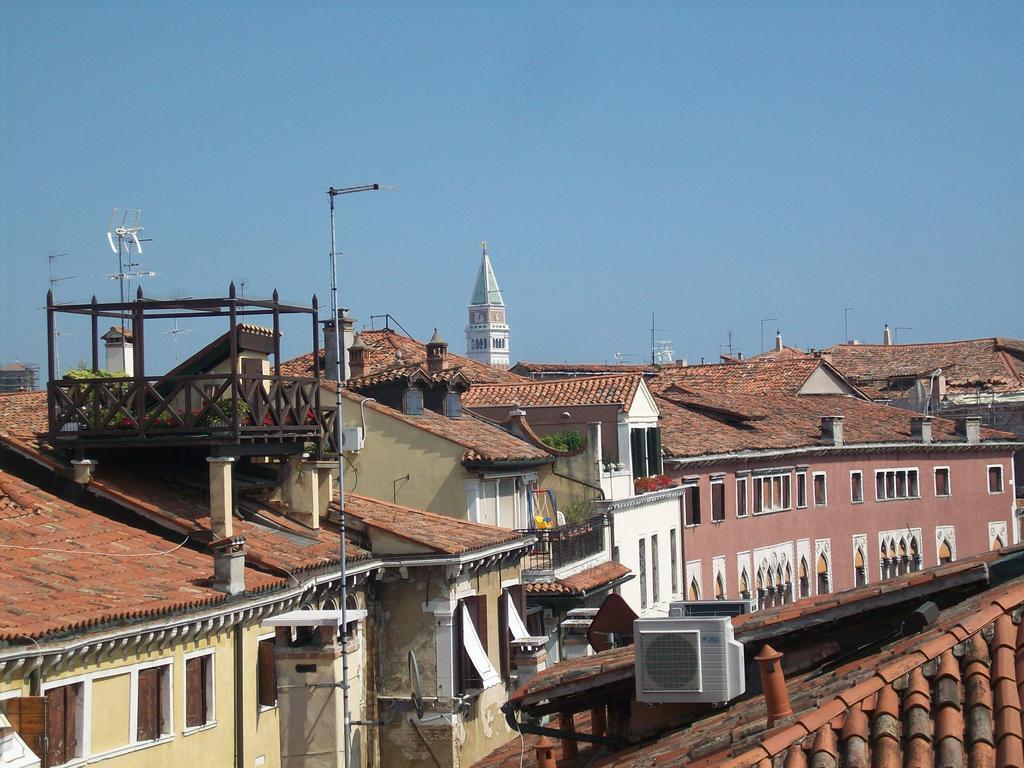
[
  {"x": 461, "y": 657},
  {"x": 194, "y": 692},
  {"x": 148, "y": 723},
  {"x": 505, "y": 638},
  {"x": 480, "y": 620},
  {"x": 71, "y": 720},
  {"x": 654, "y": 450},
  {"x": 28, "y": 717},
  {"x": 55, "y": 711},
  {"x": 267, "y": 680}
]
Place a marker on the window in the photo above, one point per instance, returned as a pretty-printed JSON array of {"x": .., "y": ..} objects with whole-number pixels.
[
  {"x": 645, "y": 451},
  {"x": 412, "y": 401},
  {"x": 741, "y": 497},
  {"x": 772, "y": 493},
  {"x": 691, "y": 504},
  {"x": 475, "y": 671},
  {"x": 857, "y": 486},
  {"x": 860, "y": 577},
  {"x": 655, "y": 590},
  {"x": 511, "y": 624},
  {"x": 942, "y": 481},
  {"x": 266, "y": 681},
  {"x": 63, "y": 723},
  {"x": 995, "y": 478},
  {"x": 643, "y": 574},
  {"x": 717, "y": 501},
  {"x": 801, "y": 490},
  {"x": 820, "y": 490},
  {"x": 945, "y": 553},
  {"x": 199, "y": 690},
  {"x": 452, "y": 405},
  {"x": 823, "y": 579},
  {"x": 154, "y": 703},
  {"x": 674, "y": 560},
  {"x": 896, "y": 484}
]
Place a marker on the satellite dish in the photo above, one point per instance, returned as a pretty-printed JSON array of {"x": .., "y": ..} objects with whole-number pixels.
[{"x": 416, "y": 695}]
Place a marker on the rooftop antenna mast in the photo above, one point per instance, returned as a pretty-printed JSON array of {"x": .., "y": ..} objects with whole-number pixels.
[
  {"x": 123, "y": 230},
  {"x": 661, "y": 350},
  {"x": 174, "y": 337},
  {"x": 51, "y": 257}
]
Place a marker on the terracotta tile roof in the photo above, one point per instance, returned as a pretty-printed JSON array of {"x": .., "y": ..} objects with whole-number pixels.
[
  {"x": 440, "y": 533},
  {"x": 67, "y": 568},
  {"x": 483, "y": 440},
  {"x": 576, "y": 369},
  {"x": 384, "y": 349},
  {"x": 707, "y": 424},
  {"x": 786, "y": 353},
  {"x": 405, "y": 373},
  {"x": 751, "y": 378},
  {"x": 585, "y": 581},
  {"x": 23, "y": 414},
  {"x": 590, "y": 390},
  {"x": 994, "y": 364}
]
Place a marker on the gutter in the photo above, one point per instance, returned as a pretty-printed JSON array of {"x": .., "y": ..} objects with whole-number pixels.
[
  {"x": 829, "y": 450},
  {"x": 508, "y": 463}
]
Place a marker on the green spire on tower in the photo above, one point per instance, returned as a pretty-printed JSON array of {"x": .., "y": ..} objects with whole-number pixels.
[{"x": 486, "y": 290}]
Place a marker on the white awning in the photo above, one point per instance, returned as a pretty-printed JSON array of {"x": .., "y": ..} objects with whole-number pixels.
[
  {"x": 515, "y": 621},
  {"x": 476, "y": 652}
]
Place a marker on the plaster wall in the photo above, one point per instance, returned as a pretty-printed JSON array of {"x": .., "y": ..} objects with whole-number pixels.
[{"x": 966, "y": 518}]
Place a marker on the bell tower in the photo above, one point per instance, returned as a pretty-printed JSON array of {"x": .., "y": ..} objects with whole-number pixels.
[{"x": 487, "y": 332}]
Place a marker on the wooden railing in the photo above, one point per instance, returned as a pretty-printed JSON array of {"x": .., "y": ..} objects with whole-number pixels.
[{"x": 218, "y": 407}]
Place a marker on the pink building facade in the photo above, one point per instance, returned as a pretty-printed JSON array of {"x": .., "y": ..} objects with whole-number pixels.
[{"x": 784, "y": 525}]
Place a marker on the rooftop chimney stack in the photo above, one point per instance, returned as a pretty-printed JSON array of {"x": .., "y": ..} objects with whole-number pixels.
[
  {"x": 229, "y": 565},
  {"x": 832, "y": 429},
  {"x": 886, "y": 336},
  {"x": 437, "y": 353},
  {"x": 921, "y": 428},
  {"x": 120, "y": 351},
  {"x": 357, "y": 357},
  {"x": 222, "y": 501},
  {"x": 773, "y": 681},
  {"x": 778, "y": 341},
  {"x": 347, "y": 324},
  {"x": 969, "y": 428}
]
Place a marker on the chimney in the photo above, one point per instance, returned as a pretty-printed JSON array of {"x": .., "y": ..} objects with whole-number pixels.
[
  {"x": 739, "y": 355},
  {"x": 516, "y": 418},
  {"x": 832, "y": 429},
  {"x": 229, "y": 565},
  {"x": 773, "y": 681},
  {"x": 347, "y": 324},
  {"x": 84, "y": 470},
  {"x": 545, "y": 752},
  {"x": 120, "y": 351},
  {"x": 886, "y": 336},
  {"x": 357, "y": 357},
  {"x": 969, "y": 428},
  {"x": 778, "y": 341},
  {"x": 221, "y": 497},
  {"x": 437, "y": 353},
  {"x": 921, "y": 428}
]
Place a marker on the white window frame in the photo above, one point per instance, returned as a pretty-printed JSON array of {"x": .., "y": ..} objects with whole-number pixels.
[
  {"x": 814, "y": 501},
  {"x": 796, "y": 489},
  {"x": 84, "y": 722},
  {"x": 949, "y": 482},
  {"x": 211, "y": 692},
  {"x": 1002, "y": 480},
  {"x": 906, "y": 483},
  {"x": 673, "y": 560},
  {"x": 745, "y": 479},
  {"x": 642, "y": 571},
  {"x": 860, "y": 473},
  {"x": 134, "y": 711},
  {"x": 766, "y": 479}
]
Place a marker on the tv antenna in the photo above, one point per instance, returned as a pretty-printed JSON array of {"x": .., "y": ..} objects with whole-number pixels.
[
  {"x": 51, "y": 257},
  {"x": 174, "y": 337},
  {"x": 661, "y": 349},
  {"x": 124, "y": 227},
  {"x": 620, "y": 357},
  {"x": 897, "y": 330}
]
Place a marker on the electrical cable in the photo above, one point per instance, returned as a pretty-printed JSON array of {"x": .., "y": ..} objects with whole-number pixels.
[{"x": 101, "y": 554}]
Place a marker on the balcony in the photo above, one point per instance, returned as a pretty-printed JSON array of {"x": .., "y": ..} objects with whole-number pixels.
[
  {"x": 186, "y": 409},
  {"x": 559, "y": 549}
]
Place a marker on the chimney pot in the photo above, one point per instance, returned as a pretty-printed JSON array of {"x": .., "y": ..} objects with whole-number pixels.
[
  {"x": 969, "y": 428},
  {"x": 229, "y": 565},
  {"x": 221, "y": 496},
  {"x": 921, "y": 428},
  {"x": 545, "y": 750},
  {"x": 437, "y": 353},
  {"x": 84, "y": 469},
  {"x": 773, "y": 681},
  {"x": 832, "y": 429},
  {"x": 886, "y": 336},
  {"x": 778, "y": 341},
  {"x": 357, "y": 357}
]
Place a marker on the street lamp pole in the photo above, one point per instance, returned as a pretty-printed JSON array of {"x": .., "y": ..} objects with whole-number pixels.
[{"x": 339, "y": 378}]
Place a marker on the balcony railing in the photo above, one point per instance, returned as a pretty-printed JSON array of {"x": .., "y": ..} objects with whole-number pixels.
[
  {"x": 565, "y": 545},
  {"x": 218, "y": 407}
]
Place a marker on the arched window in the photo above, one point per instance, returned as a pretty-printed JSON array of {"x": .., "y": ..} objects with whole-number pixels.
[
  {"x": 945, "y": 552},
  {"x": 719, "y": 588},
  {"x": 915, "y": 554},
  {"x": 823, "y": 585},
  {"x": 903, "y": 564},
  {"x": 859, "y": 571},
  {"x": 694, "y": 592},
  {"x": 883, "y": 563},
  {"x": 744, "y": 585},
  {"x": 805, "y": 580},
  {"x": 997, "y": 542}
]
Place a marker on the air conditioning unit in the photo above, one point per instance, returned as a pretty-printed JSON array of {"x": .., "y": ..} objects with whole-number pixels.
[
  {"x": 701, "y": 608},
  {"x": 687, "y": 660},
  {"x": 352, "y": 439}
]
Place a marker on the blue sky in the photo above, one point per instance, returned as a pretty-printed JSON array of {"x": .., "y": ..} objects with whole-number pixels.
[{"x": 713, "y": 163}]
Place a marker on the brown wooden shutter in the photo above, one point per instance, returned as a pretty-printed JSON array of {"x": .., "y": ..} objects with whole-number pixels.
[
  {"x": 27, "y": 716},
  {"x": 505, "y": 637},
  {"x": 480, "y": 620},
  {"x": 71, "y": 699},
  {"x": 267, "y": 680},
  {"x": 55, "y": 746},
  {"x": 462, "y": 662},
  {"x": 194, "y": 692},
  {"x": 148, "y": 721}
]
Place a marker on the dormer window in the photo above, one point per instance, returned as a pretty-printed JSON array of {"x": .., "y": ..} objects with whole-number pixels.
[
  {"x": 412, "y": 401},
  {"x": 453, "y": 405}
]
